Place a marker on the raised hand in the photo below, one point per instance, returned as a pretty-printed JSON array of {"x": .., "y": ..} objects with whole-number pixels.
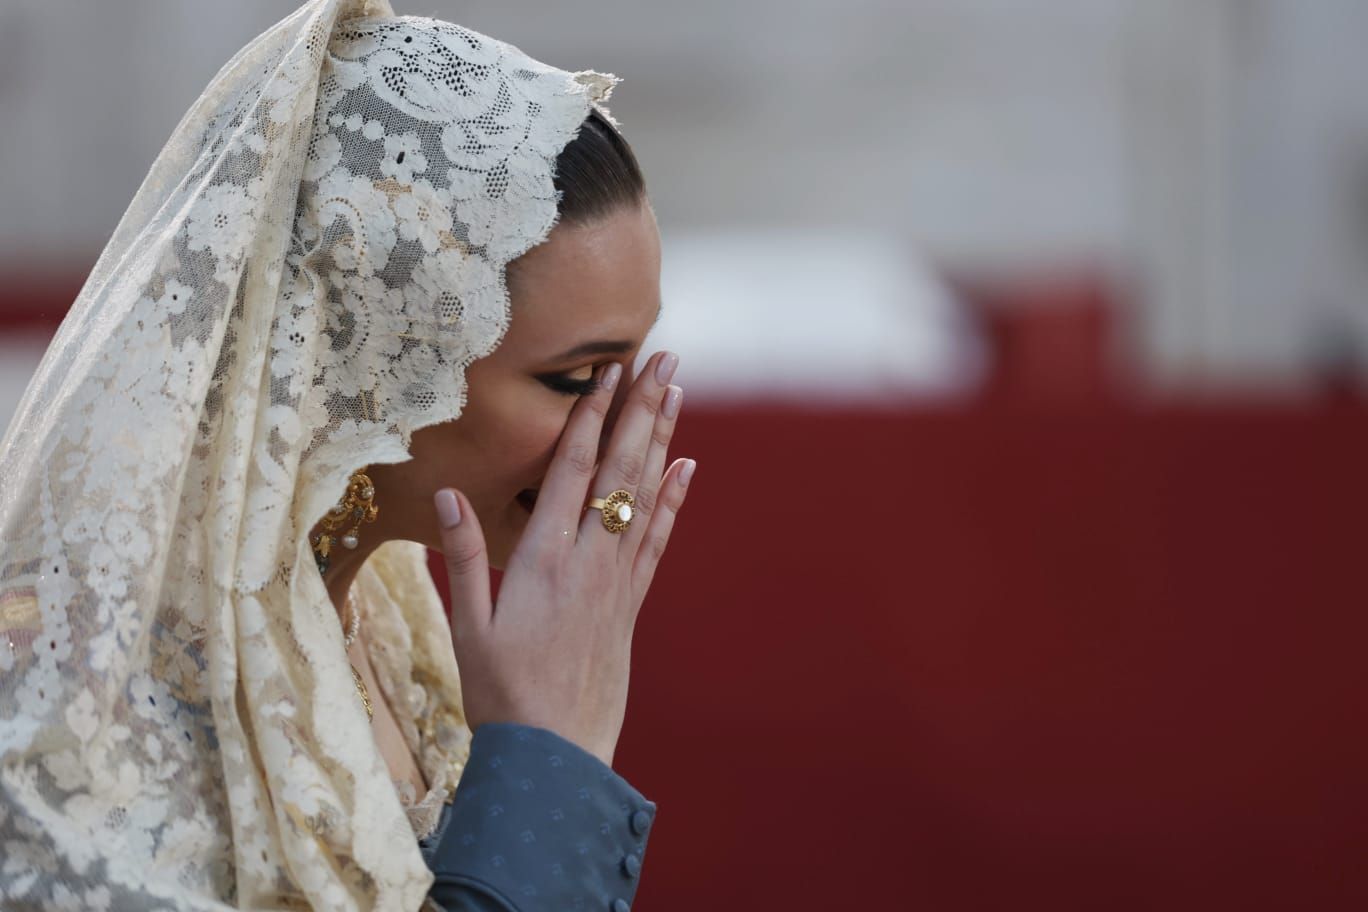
[{"x": 555, "y": 651}]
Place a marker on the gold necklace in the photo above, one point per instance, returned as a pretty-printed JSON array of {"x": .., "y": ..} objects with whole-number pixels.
[{"x": 353, "y": 628}]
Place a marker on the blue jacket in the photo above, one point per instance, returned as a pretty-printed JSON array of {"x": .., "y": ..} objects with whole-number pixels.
[{"x": 538, "y": 824}]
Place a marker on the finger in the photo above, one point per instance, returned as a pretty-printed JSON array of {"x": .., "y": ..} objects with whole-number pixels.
[
  {"x": 467, "y": 563},
  {"x": 647, "y": 493},
  {"x": 623, "y": 465},
  {"x": 673, "y": 487},
  {"x": 562, "y": 494}
]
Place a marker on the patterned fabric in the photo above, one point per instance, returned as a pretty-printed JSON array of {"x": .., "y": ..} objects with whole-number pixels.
[
  {"x": 408, "y": 643},
  {"x": 538, "y": 825},
  {"x": 312, "y": 262}
]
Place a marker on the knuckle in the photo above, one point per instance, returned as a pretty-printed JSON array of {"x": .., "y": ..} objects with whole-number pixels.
[
  {"x": 582, "y": 458},
  {"x": 661, "y": 434},
  {"x": 646, "y": 502},
  {"x": 656, "y": 545},
  {"x": 598, "y": 406},
  {"x": 649, "y": 400},
  {"x": 631, "y": 466},
  {"x": 461, "y": 560}
]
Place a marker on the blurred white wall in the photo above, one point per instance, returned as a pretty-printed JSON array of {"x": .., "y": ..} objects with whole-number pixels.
[
  {"x": 1213, "y": 152},
  {"x": 1248, "y": 145},
  {"x": 983, "y": 129}
]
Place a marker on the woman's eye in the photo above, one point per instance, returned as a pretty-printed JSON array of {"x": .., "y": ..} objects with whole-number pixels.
[{"x": 571, "y": 386}]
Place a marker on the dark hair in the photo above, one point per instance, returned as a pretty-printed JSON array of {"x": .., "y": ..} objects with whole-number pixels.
[{"x": 596, "y": 173}]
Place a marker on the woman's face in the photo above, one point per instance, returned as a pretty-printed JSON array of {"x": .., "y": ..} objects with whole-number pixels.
[{"x": 584, "y": 298}]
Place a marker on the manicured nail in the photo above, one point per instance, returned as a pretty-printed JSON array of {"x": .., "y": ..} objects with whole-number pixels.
[
  {"x": 686, "y": 472},
  {"x": 673, "y": 397},
  {"x": 448, "y": 508},
  {"x": 611, "y": 373},
  {"x": 665, "y": 367}
]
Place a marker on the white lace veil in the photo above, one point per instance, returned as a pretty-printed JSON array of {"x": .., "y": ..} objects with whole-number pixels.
[{"x": 310, "y": 265}]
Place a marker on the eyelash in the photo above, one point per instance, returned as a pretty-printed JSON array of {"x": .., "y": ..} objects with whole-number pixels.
[{"x": 570, "y": 386}]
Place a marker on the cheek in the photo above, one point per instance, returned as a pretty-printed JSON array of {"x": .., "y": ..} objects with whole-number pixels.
[{"x": 527, "y": 444}]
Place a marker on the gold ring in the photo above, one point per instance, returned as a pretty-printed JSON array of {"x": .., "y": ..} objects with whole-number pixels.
[{"x": 618, "y": 508}]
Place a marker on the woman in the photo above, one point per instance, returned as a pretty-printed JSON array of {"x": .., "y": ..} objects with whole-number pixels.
[{"x": 225, "y": 677}]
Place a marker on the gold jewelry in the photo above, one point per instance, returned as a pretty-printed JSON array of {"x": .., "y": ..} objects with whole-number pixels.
[
  {"x": 353, "y": 628},
  {"x": 618, "y": 508},
  {"x": 353, "y": 621},
  {"x": 364, "y": 694},
  {"x": 356, "y": 506}
]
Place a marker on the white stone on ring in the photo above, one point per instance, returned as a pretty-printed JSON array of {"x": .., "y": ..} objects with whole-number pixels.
[{"x": 618, "y": 510}]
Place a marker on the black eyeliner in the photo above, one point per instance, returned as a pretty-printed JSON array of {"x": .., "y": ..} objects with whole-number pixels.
[{"x": 569, "y": 386}]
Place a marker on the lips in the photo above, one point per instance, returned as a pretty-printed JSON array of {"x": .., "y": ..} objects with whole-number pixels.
[{"x": 527, "y": 499}]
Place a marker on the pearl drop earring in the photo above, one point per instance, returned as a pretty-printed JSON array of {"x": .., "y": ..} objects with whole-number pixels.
[{"x": 356, "y": 506}]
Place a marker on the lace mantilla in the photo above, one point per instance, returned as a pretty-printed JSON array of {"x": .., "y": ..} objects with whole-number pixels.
[{"x": 311, "y": 263}]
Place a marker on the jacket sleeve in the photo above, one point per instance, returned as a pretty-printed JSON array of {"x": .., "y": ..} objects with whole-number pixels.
[{"x": 538, "y": 824}]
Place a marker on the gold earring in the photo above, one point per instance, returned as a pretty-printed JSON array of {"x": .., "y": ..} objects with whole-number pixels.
[{"x": 355, "y": 507}]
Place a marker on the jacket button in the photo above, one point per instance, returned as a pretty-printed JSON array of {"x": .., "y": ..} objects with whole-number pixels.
[
  {"x": 631, "y": 865},
  {"x": 620, "y": 905},
  {"x": 640, "y": 822}
]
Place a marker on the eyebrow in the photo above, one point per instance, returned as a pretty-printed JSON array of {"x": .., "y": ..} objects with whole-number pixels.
[
  {"x": 597, "y": 347},
  {"x": 604, "y": 346}
]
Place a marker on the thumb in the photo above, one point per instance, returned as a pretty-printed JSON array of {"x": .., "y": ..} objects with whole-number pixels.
[{"x": 467, "y": 563}]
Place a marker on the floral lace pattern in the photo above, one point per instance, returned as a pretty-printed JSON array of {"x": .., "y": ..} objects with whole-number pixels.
[{"x": 299, "y": 284}]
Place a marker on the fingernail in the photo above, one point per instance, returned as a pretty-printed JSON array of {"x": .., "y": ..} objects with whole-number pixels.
[
  {"x": 665, "y": 367},
  {"x": 686, "y": 472},
  {"x": 611, "y": 373},
  {"x": 448, "y": 508},
  {"x": 673, "y": 397}
]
